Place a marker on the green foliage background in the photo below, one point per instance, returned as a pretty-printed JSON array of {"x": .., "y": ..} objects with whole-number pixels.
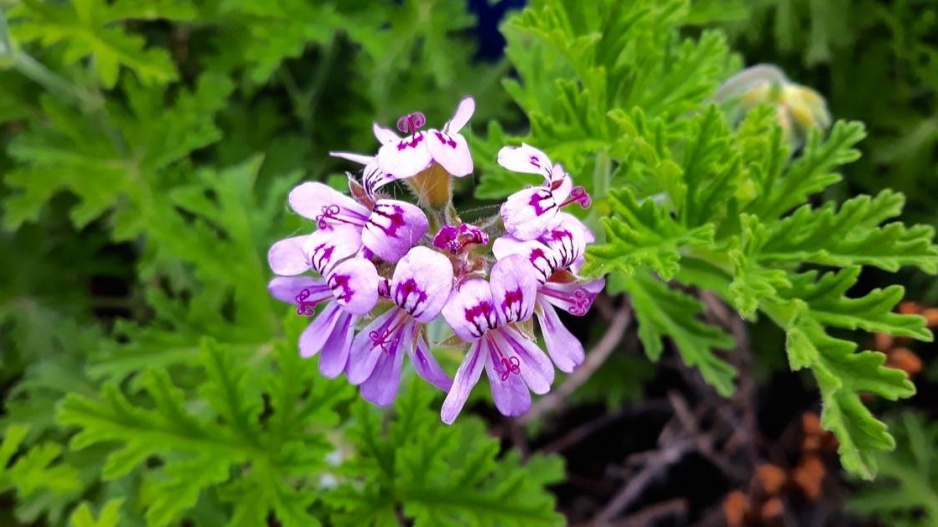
[{"x": 148, "y": 148}]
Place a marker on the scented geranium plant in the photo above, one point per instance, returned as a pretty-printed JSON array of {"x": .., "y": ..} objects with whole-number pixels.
[{"x": 379, "y": 259}]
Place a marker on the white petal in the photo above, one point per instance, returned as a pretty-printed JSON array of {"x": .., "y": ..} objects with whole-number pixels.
[
  {"x": 384, "y": 135},
  {"x": 354, "y": 284},
  {"x": 287, "y": 257},
  {"x": 525, "y": 159},
  {"x": 327, "y": 247},
  {"x": 361, "y": 159},
  {"x": 406, "y": 157},
  {"x": 422, "y": 283},
  {"x": 527, "y": 213},
  {"x": 470, "y": 310},
  {"x": 393, "y": 228},
  {"x": 463, "y": 113},
  {"x": 514, "y": 288},
  {"x": 451, "y": 152},
  {"x": 315, "y": 200}
]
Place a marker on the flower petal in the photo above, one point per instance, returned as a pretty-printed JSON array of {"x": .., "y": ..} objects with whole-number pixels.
[
  {"x": 384, "y": 135},
  {"x": 511, "y": 395},
  {"x": 321, "y": 202},
  {"x": 534, "y": 251},
  {"x": 361, "y": 159},
  {"x": 393, "y": 228},
  {"x": 405, "y": 157},
  {"x": 514, "y": 288},
  {"x": 565, "y": 350},
  {"x": 335, "y": 351},
  {"x": 354, "y": 284},
  {"x": 565, "y": 239},
  {"x": 287, "y": 257},
  {"x": 463, "y": 113},
  {"x": 327, "y": 247},
  {"x": 527, "y": 213},
  {"x": 317, "y": 333},
  {"x": 426, "y": 366},
  {"x": 533, "y": 364},
  {"x": 575, "y": 298},
  {"x": 470, "y": 310},
  {"x": 374, "y": 178},
  {"x": 370, "y": 343},
  {"x": 299, "y": 289},
  {"x": 466, "y": 377},
  {"x": 381, "y": 387},
  {"x": 450, "y": 151},
  {"x": 422, "y": 283},
  {"x": 525, "y": 159}
]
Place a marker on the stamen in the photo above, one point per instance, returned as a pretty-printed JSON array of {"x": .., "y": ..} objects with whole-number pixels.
[
  {"x": 410, "y": 123},
  {"x": 578, "y": 195},
  {"x": 382, "y": 336},
  {"x": 331, "y": 215},
  {"x": 509, "y": 365},
  {"x": 304, "y": 307}
]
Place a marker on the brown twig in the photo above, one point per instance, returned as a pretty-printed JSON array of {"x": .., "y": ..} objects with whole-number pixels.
[
  {"x": 657, "y": 462},
  {"x": 554, "y": 400}
]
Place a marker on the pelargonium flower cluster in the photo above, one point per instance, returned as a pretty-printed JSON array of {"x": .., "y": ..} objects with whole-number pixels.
[{"x": 376, "y": 271}]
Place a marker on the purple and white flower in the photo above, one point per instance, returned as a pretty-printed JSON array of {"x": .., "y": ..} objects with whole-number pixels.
[
  {"x": 421, "y": 284},
  {"x": 527, "y": 213},
  {"x": 402, "y": 158},
  {"x": 389, "y": 229},
  {"x": 556, "y": 251},
  {"x": 484, "y": 313},
  {"x": 349, "y": 291}
]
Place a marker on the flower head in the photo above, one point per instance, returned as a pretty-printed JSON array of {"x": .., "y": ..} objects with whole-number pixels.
[{"x": 372, "y": 275}]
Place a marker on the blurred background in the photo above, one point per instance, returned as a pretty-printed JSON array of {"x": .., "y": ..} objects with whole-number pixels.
[{"x": 147, "y": 147}]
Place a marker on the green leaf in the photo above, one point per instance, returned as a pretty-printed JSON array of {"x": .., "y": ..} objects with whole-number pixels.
[
  {"x": 852, "y": 235},
  {"x": 86, "y": 28},
  {"x": 639, "y": 236},
  {"x": 449, "y": 475},
  {"x": 905, "y": 493},
  {"x": 109, "y": 517},
  {"x": 664, "y": 312}
]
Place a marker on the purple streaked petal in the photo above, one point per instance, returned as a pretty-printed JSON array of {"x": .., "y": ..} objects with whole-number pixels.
[
  {"x": 565, "y": 350},
  {"x": 561, "y": 186},
  {"x": 511, "y": 395},
  {"x": 514, "y": 288},
  {"x": 317, "y": 333},
  {"x": 575, "y": 298},
  {"x": 371, "y": 342},
  {"x": 384, "y": 135},
  {"x": 525, "y": 159},
  {"x": 422, "y": 283},
  {"x": 529, "y": 212},
  {"x": 471, "y": 311},
  {"x": 534, "y": 251},
  {"x": 426, "y": 366},
  {"x": 533, "y": 364},
  {"x": 287, "y": 257},
  {"x": 327, "y": 247},
  {"x": 393, "y": 228},
  {"x": 381, "y": 386},
  {"x": 299, "y": 289},
  {"x": 335, "y": 351},
  {"x": 405, "y": 157},
  {"x": 361, "y": 159},
  {"x": 323, "y": 203},
  {"x": 463, "y": 113},
  {"x": 374, "y": 178},
  {"x": 466, "y": 377},
  {"x": 565, "y": 239},
  {"x": 354, "y": 284},
  {"x": 450, "y": 151}
]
